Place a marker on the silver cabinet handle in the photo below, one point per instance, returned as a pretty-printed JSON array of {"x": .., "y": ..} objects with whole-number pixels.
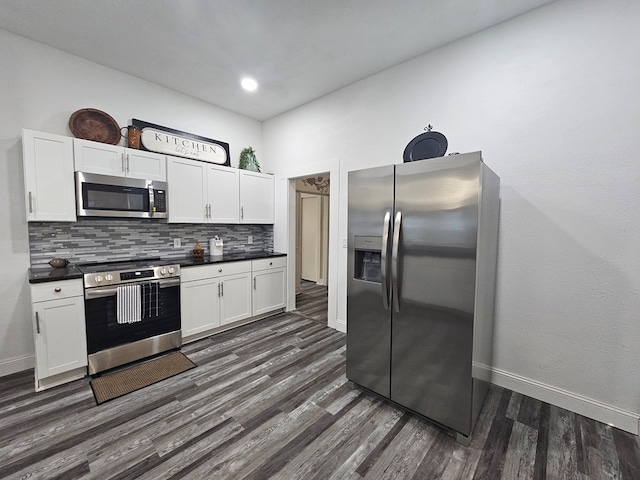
[
  {"x": 383, "y": 260},
  {"x": 394, "y": 261},
  {"x": 254, "y": 283},
  {"x": 206, "y": 211},
  {"x": 122, "y": 161},
  {"x": 218, "y": 290},
  {"x": 241, "y": 213},
  {"x": 127, "y": 162},
  {"x": 57, "y": 289},
  {"x": 222, "y": 289},
  {"x": 37, "y": 323},
  {"x": 209, "y": 210},
  {"x": 30, "y": 202},
  {"x": 220, "y": 270}
]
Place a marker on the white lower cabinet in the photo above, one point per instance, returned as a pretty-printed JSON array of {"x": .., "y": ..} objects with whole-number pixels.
[
  {"x": 214, "y": 295},
  {"x": 235, "y": 297},
  {"x": 199, "y": 305},
  {"x": 269, "y": 284},
  {"x": 60, "y": 333}
]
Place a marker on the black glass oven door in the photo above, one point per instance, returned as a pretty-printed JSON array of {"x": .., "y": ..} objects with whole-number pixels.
[{"x": 161, "y": 315}]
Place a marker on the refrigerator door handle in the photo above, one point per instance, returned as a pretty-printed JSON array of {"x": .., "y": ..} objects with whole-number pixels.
[
  {"x": 395, "y": 298},
  {"x": 383, "y": 261}
]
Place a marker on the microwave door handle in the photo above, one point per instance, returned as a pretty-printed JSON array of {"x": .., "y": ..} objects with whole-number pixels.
[{"x": 152, "y": 203}]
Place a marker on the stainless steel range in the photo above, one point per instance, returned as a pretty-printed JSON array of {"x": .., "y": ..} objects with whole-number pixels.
[{"x": 132, "y": 310}]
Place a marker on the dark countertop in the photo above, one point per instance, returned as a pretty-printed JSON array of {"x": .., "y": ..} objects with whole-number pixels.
[
  {"x": 229, "y": 257},
  {"x": 50, "y": 274}
]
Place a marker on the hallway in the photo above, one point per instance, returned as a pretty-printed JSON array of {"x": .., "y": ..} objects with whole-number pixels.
[{"x": 311, "y": 302}]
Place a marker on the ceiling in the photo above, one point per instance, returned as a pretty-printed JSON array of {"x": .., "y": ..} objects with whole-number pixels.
[{"x": 297, "y": 50}]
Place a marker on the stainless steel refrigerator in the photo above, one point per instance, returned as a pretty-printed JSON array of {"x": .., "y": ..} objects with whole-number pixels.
[{"x": 422, "y": 257}]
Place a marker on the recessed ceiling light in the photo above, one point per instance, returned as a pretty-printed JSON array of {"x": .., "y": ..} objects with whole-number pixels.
[{"x": 249, "y": 84}]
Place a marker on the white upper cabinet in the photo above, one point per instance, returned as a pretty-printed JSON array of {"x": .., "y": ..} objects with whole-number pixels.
[
  {"x": 256, "y": 197},
  {"x": 187, "y": 191},
  {"x": 145, "y": 165},
  {"x": 105, "y": 159},
  {"x": 200, "y": 192},
  {"x": 48, "y": 176},
  {"x": 223, "y": 193}
]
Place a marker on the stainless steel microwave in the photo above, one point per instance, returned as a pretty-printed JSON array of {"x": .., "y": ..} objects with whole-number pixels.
[{"x": 109, "y": 196}]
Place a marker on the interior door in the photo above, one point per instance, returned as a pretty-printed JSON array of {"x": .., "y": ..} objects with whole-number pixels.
[
  {"x": 311, "y": 230},
  {"x": 432, "y": 327}
]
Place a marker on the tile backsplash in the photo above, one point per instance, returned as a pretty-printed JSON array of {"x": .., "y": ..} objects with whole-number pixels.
[{"x": 95, "y": 240}]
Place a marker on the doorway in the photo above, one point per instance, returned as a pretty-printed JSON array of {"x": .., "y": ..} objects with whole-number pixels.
[
  {"x": 312, "y": 246},
  {"x": 285, "y": 230}
]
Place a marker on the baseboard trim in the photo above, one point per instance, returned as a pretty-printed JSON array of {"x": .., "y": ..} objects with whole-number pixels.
[
  {"x": 602, "y": 412},
  {"x": 17, "y": 364}
]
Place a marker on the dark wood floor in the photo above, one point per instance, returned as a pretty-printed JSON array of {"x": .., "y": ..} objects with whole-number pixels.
[
  {"x": 270, "y": 401},
  {"x": 311, "y": 302}
]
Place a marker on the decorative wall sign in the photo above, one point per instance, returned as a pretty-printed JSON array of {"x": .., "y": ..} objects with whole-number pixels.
[{"x": 155, "y": 138}]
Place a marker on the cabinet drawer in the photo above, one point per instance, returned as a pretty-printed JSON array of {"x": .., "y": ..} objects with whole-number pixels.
[
  {"x": 267, "y": 263},
  {"x": 42, "y": 292},
  {"x": 214, "y": 270}
]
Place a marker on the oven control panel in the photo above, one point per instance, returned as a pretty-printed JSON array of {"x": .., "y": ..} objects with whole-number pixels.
[
  {"x": 128, "y": 276},
  {"x": 136, "y": 274}
]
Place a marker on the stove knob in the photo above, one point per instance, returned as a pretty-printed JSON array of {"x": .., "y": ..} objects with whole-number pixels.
[
  {"x": 172, "y": 270},
  {"x": 108, "y": 277},
  {"x": 163, "y": 271},
  {"x": 98, "y": 278}
]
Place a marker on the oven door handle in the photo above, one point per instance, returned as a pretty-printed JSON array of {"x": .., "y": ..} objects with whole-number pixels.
[{"x": 99, "y": 292}]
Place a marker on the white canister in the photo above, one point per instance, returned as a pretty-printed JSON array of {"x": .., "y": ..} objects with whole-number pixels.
[{"x": 216, "y": 246}]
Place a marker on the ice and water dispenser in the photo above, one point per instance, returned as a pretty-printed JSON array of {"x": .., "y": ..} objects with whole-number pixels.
[{"x": 368, "y": 251}]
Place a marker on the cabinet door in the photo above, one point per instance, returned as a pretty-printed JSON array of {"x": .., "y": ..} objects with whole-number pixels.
[
  {"x": 269, "y": 290},
  {"x": 235, "y": 299},
  {"x": 187, "y": 190},
  {"x": 48, "y": 176},
  {"x": 256, "y": 197},
  {"x": 199, "y": 306},
  {"x": 60, "y": 338},
  {"x": 145, "y": 165},
  {"x": 223, "y": 194},
  {"x": 96, "y": 157}
]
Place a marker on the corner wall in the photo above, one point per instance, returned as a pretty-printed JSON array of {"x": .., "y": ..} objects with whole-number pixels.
[
  {"x": 551, "y": 98},
  {"x": 40, "y": 87}
]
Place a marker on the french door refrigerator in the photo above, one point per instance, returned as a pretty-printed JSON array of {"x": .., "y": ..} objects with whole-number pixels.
[{"x": 422, "y": 241}]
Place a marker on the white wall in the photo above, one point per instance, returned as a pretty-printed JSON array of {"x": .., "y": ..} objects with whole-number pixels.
[
  {"x": 552, "y": 99},
  {"x": 39, "y": 89}
]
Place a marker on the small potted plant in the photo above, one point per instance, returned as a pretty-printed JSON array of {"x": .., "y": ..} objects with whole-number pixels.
[{"x": 248, "y": 160}]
